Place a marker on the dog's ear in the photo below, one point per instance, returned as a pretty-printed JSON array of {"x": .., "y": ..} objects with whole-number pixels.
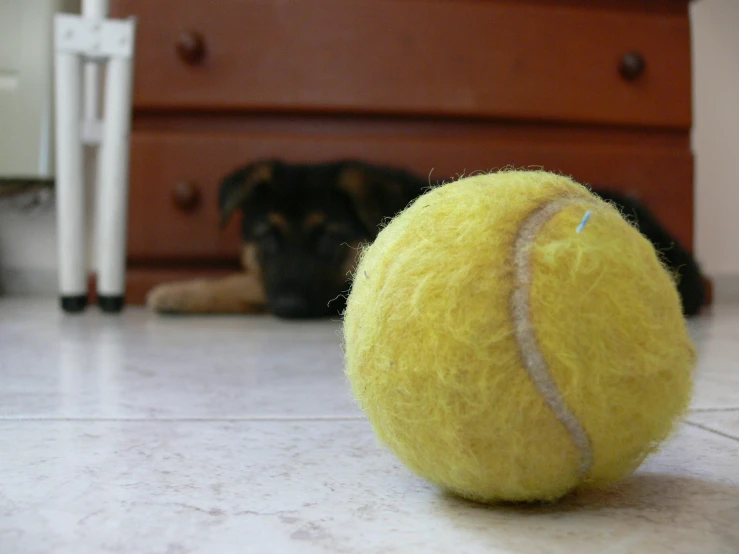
[
  {"x": 377, "y": 195},
  {"x": 238, "y": 187}
]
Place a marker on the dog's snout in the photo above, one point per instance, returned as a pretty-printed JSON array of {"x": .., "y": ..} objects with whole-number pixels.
[{"x": 291, "y": 306}]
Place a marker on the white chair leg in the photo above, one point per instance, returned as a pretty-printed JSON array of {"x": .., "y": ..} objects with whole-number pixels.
[
  {"x": 70, "y": 190},
  {"x": 112, "y": 182},
  {"x": 93, "y": 39}
]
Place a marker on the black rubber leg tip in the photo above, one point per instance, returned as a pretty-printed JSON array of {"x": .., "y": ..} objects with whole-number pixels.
[
  {"x": 110, "y": 304},
  {"x": 74, "y": 304}
]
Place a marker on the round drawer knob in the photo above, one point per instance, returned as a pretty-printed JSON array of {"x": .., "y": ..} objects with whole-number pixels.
[
  {"x": 632, "y": 66},
  {"x": 186, "y": 196},
  {"x": 191, "y": 47}
]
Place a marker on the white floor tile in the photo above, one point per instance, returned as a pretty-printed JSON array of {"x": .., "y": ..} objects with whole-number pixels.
[
  {"x": 141, "y": 434},
  {"x": 264, "y": 487},
  {"x": 725, "y": 422},
  {"x": 717, "y": 340},
  {"x": 141, "y": 365}
]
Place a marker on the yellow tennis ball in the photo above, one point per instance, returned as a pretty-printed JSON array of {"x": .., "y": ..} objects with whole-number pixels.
[{"x": 506, "y": 347}]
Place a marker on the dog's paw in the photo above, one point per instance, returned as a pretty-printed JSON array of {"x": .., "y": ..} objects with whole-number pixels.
[{"x": 178, "y": 298}]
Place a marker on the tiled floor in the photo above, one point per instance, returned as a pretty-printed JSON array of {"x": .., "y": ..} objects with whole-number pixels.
[{"x": 140, "y": 434}]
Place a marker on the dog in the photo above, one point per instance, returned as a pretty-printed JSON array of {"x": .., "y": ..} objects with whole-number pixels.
[{"x": 303, "y": 225}]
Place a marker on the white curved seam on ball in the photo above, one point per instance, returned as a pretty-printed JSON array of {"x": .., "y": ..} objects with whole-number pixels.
[{"x": 532, "y": 357}]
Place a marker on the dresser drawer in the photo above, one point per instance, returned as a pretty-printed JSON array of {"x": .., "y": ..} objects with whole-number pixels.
[
  {"x": 175, "y": 174},
  {"x": 469, "y": 58},
  {"x": 173, "y": 197}
]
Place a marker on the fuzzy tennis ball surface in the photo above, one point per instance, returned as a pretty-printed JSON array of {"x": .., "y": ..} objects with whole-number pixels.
[{"x": 508, "y": 347}]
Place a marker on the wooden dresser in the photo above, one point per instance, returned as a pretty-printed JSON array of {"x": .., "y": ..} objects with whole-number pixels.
[{"x": 600, "y": 90}]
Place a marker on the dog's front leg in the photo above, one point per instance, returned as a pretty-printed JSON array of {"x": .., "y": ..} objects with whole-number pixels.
[{"x": 241, "y": 293}]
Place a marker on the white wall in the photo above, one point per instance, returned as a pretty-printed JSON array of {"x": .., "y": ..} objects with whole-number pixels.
[
  {"x": 716, "y": 134},
  {"x": 27, "y": 251}
]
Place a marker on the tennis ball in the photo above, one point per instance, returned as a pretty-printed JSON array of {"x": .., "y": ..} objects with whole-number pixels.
[{"x": 508, "y": 348}]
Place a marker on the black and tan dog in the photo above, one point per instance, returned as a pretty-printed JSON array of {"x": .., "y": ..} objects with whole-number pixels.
[{"x": 302, "y": 226}]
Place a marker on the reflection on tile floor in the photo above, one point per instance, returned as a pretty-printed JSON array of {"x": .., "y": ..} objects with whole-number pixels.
[{"x": 186, "y": 435}]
